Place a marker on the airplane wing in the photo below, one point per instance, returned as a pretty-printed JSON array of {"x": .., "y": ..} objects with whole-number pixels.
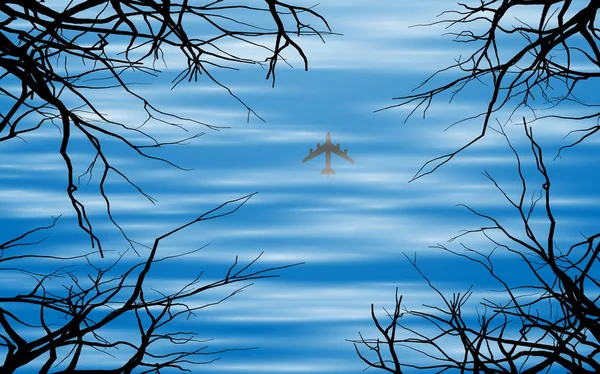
[
  {"x": 342, "y": 154},
  {"x": 316, "y": 152}
]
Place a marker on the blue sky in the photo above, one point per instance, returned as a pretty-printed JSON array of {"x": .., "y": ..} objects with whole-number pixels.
[{"x": 351, "y": 230}]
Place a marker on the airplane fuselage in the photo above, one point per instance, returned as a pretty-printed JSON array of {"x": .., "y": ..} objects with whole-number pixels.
[{"x": 328, "y": 148}]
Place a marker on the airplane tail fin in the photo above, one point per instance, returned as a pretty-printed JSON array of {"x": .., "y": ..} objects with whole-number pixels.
[{"x": 328, "y": 171}]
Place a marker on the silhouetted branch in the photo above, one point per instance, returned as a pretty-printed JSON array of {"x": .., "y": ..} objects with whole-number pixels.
[
  {"x": 51, "y": 59},
  {"x": 546, "y": 61},
  {"x": 549, "y": 322},
  {"x": 74, "y": 316}
]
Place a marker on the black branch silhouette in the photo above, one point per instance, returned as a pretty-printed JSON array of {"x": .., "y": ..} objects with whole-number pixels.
[
  {"x": 70, "y": 321},
  {"x": 52, "y": 59},
  {"x": 532, "y": 64},
  {"x": 546, "y": 319}
]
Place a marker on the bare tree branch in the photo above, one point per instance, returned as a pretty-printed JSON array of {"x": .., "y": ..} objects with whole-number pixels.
[
  {"x": 73, "y": 319},
  {"x": 549, "y": 322},
  {"x": 550, "y": 60},
  {"x": 52, "y": 59}
]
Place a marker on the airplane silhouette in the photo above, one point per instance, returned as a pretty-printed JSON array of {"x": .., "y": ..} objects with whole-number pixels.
[{"x": 328, "y": 147}]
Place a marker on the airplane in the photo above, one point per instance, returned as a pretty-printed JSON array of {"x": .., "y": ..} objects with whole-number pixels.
[{"x": 328, "y": 147}]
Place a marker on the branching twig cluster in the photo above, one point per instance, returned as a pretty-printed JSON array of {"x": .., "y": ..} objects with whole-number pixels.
[
  {"x": 550, "y": 321},
  {"x": 51, "y": 60},
  {"x": 520, "y": 59},
  {"x": 73, "y": 316}
]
